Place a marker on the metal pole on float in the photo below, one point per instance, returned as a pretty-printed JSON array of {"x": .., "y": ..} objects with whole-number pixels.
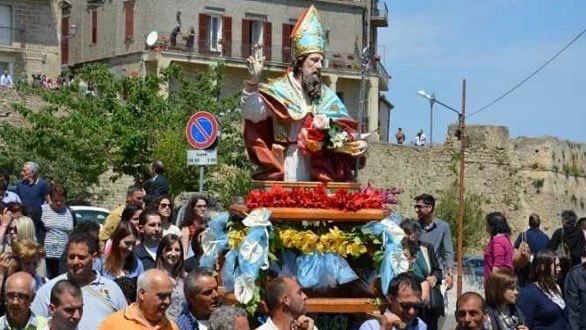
[
  {"x": 460, "y": 223},
  {"x": 365, "y": 61}
]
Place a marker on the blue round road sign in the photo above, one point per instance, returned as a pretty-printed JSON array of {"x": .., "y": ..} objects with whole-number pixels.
[{"x": 202, "y": 130}]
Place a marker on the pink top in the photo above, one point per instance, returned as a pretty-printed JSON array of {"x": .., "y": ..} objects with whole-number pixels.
[{"x": 498, "y": 253}]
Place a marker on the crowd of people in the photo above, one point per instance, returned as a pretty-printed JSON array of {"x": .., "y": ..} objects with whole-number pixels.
[{"x": 140, "y": 269}]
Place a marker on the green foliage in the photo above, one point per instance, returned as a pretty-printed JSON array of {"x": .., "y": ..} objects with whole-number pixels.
[
  {"x": 124, "y": 123},
  {"x": 447, "y": 209},
  {"x": 538, "y": 184}
]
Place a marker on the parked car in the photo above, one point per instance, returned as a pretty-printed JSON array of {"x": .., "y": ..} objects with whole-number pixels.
[
  {"x": 90, "y": 213},
  {"x": 474, "y": 265}
]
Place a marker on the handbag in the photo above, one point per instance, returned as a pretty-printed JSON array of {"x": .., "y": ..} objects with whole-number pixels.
[
  {"x": 522, "y": 255},
  {"x": 436, "y": 301}
]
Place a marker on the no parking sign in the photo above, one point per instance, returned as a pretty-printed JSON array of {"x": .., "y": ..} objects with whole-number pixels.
[{"x": 202, "y": 130}]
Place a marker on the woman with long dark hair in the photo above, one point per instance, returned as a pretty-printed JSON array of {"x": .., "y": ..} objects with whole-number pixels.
[
  {"x": 170, "y": 259},
  {"x": 131, "y": 213},
  {"x": 194, "y": 222},
  {"x": 498, "y": 253},
  {"x": 541, "y": 301},
  {"x": 122, "y": 262}
]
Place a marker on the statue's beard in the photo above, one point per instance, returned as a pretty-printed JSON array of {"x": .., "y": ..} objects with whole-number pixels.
[{"x": 311, "y": 83}]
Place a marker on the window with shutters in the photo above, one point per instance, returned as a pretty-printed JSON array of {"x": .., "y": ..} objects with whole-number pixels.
[
  {"x": 64, "y": 39},
  {"x": 94, "y": 26},
  {"x": 5, "y": 25},
  {"x": 256, "y": 34},
  {"x": 215, "y": 33},
  {"x": 129, "y": 20},
  {"x": 287, "y": 52}
]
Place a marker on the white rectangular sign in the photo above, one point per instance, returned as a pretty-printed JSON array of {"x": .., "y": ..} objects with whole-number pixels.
[{"x": 202, "y": 157}]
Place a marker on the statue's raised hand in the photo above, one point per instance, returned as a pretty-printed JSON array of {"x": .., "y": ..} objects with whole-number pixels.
[{"x": 255, "y": 64}]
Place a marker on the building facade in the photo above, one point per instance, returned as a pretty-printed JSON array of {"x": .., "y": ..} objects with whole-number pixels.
[
  {"x": 29, "y": 38},
  {"x": 197, "y": 34}
]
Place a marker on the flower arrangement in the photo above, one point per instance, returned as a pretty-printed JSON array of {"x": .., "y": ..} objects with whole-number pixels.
[
  {"x": 367, "y": 198},
  {"x": 307, "y": 241},
  {"x": 319, "y": 131}
]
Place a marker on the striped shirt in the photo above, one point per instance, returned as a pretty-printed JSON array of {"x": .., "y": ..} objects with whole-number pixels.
[{"x": 58, "y": 225}]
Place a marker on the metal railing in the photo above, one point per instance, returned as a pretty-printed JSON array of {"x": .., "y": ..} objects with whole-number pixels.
[
  {"x": 380, "y": 9},
  {"x": 237, "y": 50},
  {"x": 12, "y": 37}
]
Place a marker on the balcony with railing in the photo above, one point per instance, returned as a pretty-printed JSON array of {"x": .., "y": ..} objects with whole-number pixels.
[
  {"x": 236, "y": 51},
  {"x": 11, "y": 38},
  {"x": 383, "y": 75},
  {"x": 380, "y": 14}
]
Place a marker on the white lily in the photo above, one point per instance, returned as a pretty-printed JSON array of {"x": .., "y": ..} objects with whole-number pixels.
[
  {"x": 258, "y": 217},
  {"x": 244, "y": 288},
  {"x": 251, "y": 251}
]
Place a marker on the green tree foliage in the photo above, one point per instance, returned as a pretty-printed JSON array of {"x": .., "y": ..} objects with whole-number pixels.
[
  {"x": 474, "y": 225},
  {"x": 124, "y": 123}
]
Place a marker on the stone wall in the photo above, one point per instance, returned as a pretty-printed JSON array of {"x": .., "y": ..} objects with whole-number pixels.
[{"x": 517, "y": 176}]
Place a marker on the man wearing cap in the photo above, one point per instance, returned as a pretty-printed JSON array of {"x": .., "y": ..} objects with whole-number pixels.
[{"x": 288, "y": 120}]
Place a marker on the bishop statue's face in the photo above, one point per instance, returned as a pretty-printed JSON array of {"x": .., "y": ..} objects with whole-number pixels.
[
  {"x": 311, "y": 75},
  {"x": 313, "y": 64}
]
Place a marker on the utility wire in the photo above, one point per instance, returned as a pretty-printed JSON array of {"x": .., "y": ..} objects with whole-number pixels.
[{"x": 530, "y": 76}]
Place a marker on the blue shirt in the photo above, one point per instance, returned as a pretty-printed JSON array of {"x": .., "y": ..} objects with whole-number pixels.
[
  {"x": 135, "y": 270},
  {"x": 540, "y": 312},
  {"x": 418, "y": 324},
  {"x": 101, "y": 298},
  {"x": 32, "y": 195},
  {"x": 186, "y": 320},
  {"x": 536, "y": 239}
]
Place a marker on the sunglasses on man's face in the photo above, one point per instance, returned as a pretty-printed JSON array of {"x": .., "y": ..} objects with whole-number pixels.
[{"x": 406, "y": 306}]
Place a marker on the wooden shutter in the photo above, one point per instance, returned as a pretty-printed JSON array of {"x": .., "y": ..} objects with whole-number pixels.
[
  {"x": 65, "y": 40},
  {"x": 267, "y": 42},
  {"x": 286, "y": 41},
  {"x": 129, "y": 20},
  {"x": 227, "y": 35},
  {"x": 94, "y": 26},
  {"x": 246, "y": 51},
  {"x": 203, "y": 34}
]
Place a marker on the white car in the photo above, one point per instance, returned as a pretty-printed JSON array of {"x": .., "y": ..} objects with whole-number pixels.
[{"x": 90, "y": 213}]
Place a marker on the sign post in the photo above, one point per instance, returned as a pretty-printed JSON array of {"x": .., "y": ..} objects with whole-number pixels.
[{"x": 202, "y": 132}]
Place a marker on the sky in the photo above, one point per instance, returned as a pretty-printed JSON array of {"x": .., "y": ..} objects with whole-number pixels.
[{"x": 493, "y": 44}]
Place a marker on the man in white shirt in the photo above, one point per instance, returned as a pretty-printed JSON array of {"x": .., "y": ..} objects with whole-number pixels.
[
  {"x": 286, "y": 302},
  {"x": 6, "y": 80}
]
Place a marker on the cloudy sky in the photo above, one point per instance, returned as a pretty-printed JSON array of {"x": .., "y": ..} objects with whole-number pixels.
[{"x": 494, "y": 44}]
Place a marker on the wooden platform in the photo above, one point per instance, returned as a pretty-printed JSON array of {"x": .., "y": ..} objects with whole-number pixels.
[
  {"x": 266, "y": 185},
  {"x": 280, "y": 214},
  {"x": 329, "y": 305},
  {"x": 341, "y": 305}
]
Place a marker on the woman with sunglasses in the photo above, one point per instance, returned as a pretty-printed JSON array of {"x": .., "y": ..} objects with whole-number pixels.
[
  {"x": 194, "y": 221},
  {"x": 122, "y": 262},
  {"x": 170, "y": 260},
  {"x": 164, "y": 207},
  {"x": 501, "y": 301}
]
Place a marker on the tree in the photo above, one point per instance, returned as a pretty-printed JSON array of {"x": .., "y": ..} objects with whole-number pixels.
[
  {"x": 123, "y": 123},
  {"x": 447, "y": 208}
]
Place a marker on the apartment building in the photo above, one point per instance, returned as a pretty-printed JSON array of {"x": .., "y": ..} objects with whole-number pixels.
[
  {"x": 29, "y": 38},
  {"x": 196, "y": 34}
]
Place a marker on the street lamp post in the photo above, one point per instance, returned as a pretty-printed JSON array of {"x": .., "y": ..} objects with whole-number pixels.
[{"x": 460, "y": 220}]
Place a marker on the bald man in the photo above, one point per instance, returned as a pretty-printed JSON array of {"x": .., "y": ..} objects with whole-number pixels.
[
  {"x": 19, "y": 293},
  {"x": 154, "y": 289}
]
